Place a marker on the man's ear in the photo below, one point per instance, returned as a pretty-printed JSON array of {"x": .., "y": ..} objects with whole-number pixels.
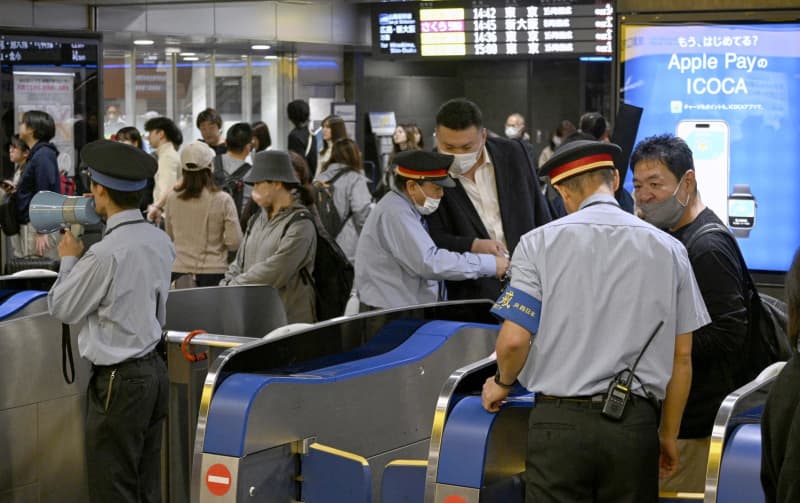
[
  {"x": 691, "y": 179},
  {"x": 616, "y": 180}
]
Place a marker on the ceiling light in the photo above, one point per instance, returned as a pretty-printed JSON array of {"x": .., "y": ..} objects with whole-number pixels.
[
  {"x": 188, "y": 54},
  {"x": 143, "y": 42},
  {"x": 172, "y": 50},
  {"x": 271, "y": 56},
  {"x": 260, "y": 47},
  {"x": 191, "y": 58}
]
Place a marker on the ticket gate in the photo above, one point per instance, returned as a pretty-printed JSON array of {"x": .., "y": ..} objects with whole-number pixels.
[
  {"x": 41, "y": 416},
  {"x": 230, "y": 316},
  {"x": 316, "y": 414},
  {"x": 477, "y": 456}
]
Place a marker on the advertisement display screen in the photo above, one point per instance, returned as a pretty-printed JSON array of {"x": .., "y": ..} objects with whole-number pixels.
[
  {"x": 732, "y": 92},
  {"x": 494, "y": 28}
]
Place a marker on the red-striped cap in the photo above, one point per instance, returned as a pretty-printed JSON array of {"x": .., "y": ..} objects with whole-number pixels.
[
  {"x": 425, "y": 166},
  {"x": 578, "y": 157}
]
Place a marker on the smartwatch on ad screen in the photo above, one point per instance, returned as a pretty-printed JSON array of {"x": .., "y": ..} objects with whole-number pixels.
[{"x": 741, "y": 210}]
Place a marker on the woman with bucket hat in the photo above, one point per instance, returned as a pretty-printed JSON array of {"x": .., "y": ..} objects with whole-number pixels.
[{"x": 277, "y": 247}]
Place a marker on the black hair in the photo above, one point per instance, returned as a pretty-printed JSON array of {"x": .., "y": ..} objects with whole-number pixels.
[
  {"x": 209, "y": 115},
  {"x": 594, "y": 124},
  {"x": 793, "y": 300},
  {"x": 298, "y": 112},
  {"x": 171, "y": 131},
  {"x": 41, "y": 123},
  {"x": 239, "y": 136},
  {"x": 667, "y": 148},
  {"x": 132, "y": 134},
  {"x": 261, "y": 131},
  {"x": 459, "y": 114},
  {"x": 125, "y": 200},
  {"x": 580, "y": 182}
]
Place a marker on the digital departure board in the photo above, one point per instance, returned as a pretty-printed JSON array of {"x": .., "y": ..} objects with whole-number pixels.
[
  {"x": 21, "y": 50},
  {"x": 494, "y": 28}
]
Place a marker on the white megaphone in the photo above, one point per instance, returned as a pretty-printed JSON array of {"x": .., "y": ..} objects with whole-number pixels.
[{"x": 50, "y": 211}]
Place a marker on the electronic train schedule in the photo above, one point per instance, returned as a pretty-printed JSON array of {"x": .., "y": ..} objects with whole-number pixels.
[{"x": 509, "y": 28}]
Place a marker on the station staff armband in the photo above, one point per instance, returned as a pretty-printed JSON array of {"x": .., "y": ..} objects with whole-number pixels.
[{"x": 519, "y": 307}]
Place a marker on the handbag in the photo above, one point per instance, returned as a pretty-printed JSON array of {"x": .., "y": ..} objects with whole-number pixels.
[{"x": 9, "y": 221}]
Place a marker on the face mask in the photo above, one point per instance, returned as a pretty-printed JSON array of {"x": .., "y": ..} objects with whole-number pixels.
[
  {"x": 465, "y": 162},
  {"x": 556, "y": 141},
  {"x": 663, "y": 214},
  {"x": 431, "y": 204},
  {"x": 512, "y": 132}
]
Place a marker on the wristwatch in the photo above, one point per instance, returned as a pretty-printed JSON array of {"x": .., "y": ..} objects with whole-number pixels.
[
  {"x": 502, "y": 384},
  {"x": 741, "y": 210}
]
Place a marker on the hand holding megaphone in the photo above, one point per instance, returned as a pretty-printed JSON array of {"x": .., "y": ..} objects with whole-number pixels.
[
  {"x": 69, "y": 246},
  {"x": 50, "y": 211}
]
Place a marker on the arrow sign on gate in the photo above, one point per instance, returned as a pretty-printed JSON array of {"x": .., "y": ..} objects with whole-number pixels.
[{"x": 218, "y": 479}]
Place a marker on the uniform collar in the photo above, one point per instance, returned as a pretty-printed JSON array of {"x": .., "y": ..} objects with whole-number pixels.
[
  {"x": 123, "y": 216},
  {"x": 598, "y": 198}
]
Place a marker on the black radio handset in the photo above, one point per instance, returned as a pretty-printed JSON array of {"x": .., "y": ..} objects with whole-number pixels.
[{"x": 619, "y": 391}]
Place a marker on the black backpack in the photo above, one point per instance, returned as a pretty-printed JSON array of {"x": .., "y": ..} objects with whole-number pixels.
[
  {"x": 328, "y": 214},
  {"x": 333, "y": 273},
  {"x": 767, "y": 341},
  {"x": 232, "y": 184}
]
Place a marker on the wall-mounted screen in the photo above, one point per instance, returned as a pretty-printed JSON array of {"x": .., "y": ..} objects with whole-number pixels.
[
  {"x": 493, "y": 28},
  {"x": 732, "y": 91}
]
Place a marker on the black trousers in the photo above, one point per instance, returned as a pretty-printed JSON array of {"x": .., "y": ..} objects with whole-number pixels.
[
  {"x": 576, "y": 455},
  {"x": 211, "y": 279},
  {"x": 126, "y": 406}
]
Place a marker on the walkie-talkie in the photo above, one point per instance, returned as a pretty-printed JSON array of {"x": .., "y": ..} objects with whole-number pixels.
[{"x": 619, "y": 391}]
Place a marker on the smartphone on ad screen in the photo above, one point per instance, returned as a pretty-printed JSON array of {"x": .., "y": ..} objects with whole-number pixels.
[{"x": 710, "y": 144}]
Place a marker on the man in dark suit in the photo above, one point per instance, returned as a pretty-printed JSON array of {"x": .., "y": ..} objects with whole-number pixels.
[{"x": 496, "y": 198}]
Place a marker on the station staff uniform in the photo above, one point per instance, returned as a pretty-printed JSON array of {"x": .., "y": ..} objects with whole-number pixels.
[
  {"x": 397, "y": 263},
  {"x": 591, "y": 288},
  {"x": 117, "y": 293}
]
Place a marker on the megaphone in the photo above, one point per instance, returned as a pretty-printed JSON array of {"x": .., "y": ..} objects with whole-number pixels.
[{"x": 50, "y": 211}]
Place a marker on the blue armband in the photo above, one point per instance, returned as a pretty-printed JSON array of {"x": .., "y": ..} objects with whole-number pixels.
[{"x": 519, "y": 307}]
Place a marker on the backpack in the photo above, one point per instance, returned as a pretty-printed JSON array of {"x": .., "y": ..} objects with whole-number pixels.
[
  {"x": 328, "y": 214},
  {"x": 232, "y": 184},
  {"x": 333, "y": 273},
  {"x": 767, "y": 341}
]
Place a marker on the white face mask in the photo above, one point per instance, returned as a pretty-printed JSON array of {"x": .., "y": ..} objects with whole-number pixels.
[
  {"x": 557, "y": 141},
  {"x": 512, "y": 132},
  {"x": 431, "y": 204},
  {"x": 465, "y": 162}
]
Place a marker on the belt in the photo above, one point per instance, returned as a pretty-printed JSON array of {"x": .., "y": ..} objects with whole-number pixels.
[
  {"x": 599, "y": 398},
  {"x": 129, "y": 361}
]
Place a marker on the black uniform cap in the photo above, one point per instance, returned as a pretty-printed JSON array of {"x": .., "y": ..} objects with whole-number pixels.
[
  {"x": 580, "y": 156},
  {"x": 118, "y": 166},
  {"x": 425, "y": 166}
]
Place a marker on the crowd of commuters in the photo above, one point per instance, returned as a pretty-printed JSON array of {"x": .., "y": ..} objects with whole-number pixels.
[{"x": 477, "y": 218}]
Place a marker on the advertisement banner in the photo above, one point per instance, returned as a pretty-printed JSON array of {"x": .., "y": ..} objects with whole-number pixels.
[
  {"x": 53, "y": 93},
  {"x": 731, "y": 91}
]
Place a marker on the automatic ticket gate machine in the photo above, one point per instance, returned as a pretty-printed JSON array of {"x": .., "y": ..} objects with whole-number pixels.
[
  {"x": 227, "y": 316},
  {"x": 41, "y": 416},
  {"x": 476, "y": 456},
  {"x": 315, "y": 414}
]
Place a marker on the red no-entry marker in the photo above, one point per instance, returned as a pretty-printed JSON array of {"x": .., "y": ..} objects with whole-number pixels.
[{"x": 218, "y": 479}]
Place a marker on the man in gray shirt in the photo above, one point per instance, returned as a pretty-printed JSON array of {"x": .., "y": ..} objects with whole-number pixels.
[
  {"x": 587, "y": 291},
  {"x": 117, "y": 293}
]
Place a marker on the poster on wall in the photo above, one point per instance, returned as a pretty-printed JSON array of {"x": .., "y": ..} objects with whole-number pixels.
[
  {"x": 732, "y": 92},
  {"x": 52, "y": 93}
]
